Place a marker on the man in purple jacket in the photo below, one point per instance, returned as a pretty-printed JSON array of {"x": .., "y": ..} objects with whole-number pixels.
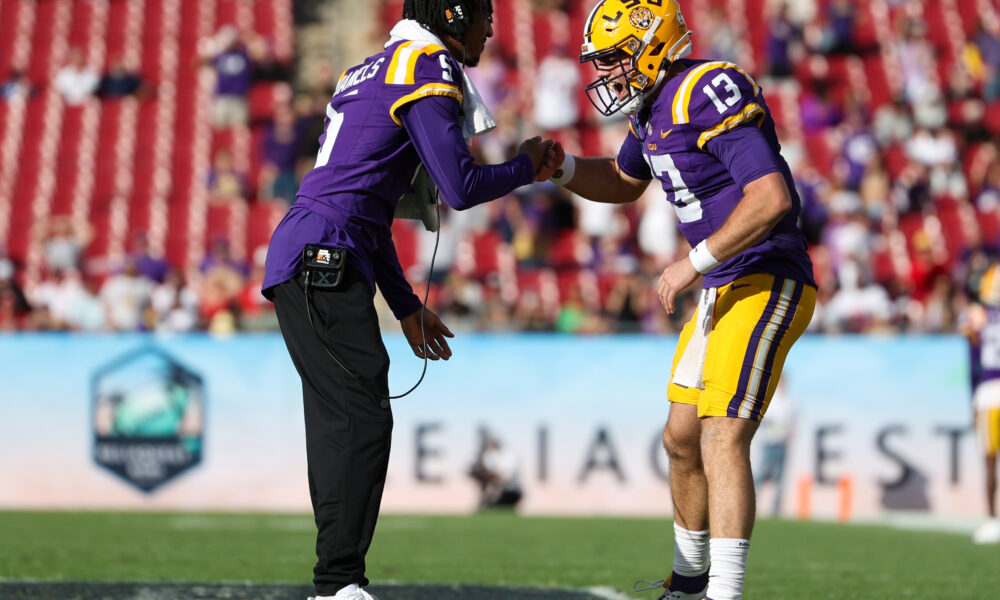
[
  {"x": 400, "y": 108},
  {"x": 703, "y": 129}
]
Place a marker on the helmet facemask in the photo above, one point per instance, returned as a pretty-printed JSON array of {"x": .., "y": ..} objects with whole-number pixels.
[
  {"x": 604, "y": 91},
  {"x": 638, "y": 44}
]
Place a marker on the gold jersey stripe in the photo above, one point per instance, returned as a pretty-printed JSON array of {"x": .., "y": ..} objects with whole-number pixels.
[
  {"x": 431, "y": 89},
  {"x": 682, "y": 99},
  {"x": 390, "y": 73},
  {"x": 404, "y": 61},
  {"x": 751, "y": 111}
]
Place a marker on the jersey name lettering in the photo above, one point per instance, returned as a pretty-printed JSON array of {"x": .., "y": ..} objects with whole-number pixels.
[{"x": 363, "y": 74}]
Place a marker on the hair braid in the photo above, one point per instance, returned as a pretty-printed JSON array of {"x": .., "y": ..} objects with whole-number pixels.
[{"x": 430, "y": 13}]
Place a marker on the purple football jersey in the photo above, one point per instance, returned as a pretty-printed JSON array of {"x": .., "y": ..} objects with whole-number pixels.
[
  {"x": 682, "y": 141},
  {"x": 985, "y": 355},
  {"x": 398, "y": 109}
]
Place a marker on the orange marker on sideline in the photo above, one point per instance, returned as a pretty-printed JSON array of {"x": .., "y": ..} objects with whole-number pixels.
[
  {"x": 805, "y": 497},
  {"x": 846, "y": 486}
]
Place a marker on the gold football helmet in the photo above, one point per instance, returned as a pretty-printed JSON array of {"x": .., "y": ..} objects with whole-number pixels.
[
  {"x": 989, "y": 286},
  {"x": 644, "y": 37}
]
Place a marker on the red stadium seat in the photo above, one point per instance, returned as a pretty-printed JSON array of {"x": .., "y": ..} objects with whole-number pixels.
[
  {"x": 543, "y": 283},
  {"x": 955, "y": 228},
  {"x": 757, "y": 25},
  {"x": 42, "y": 42},
  {"x": 404, "y": 236},
  {"x": 895, "y": 159},
  {"x": 566, "y": 250},
  {"x": 992, "y": 120},
  {"x": 9, "y": 12},
  {"x": 264, "y": 217},
  {"x": 482, "y": 255},
  {"x": 27, "y": 180},
  {"x": 883, "y": 267},
  {"x": 579, "y": 281},
  {"x": 989, "y": 226},
  {"x": 262, "y": 98},
  {"x": 878, "y": 83}
]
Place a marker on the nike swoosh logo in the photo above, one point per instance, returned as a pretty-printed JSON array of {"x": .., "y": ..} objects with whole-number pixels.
[
  {"x": 664, "y": 134},
  {"x": 736, "y": 287}
]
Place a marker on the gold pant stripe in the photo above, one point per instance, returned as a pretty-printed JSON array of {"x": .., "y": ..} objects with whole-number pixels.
[
  {"x": 757, "y": 319},
  {"x": 764, "y": 348}
]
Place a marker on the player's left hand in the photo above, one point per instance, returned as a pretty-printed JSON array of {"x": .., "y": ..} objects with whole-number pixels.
[
  {"x": 435, "y": 332},
  {"x": 554, "y": 158},
  {"x": 538, "y": 151},
  {"x": 674, "y": 280}
]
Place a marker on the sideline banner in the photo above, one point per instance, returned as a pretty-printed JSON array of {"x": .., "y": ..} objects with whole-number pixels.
[{"x": 199, "y": 423}]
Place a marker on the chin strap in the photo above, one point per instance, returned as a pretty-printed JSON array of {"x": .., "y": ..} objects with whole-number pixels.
[{"x": 634, "y": 105}]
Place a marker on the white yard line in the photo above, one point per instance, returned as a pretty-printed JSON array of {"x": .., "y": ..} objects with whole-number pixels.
[{"x": 607, "y": 593}]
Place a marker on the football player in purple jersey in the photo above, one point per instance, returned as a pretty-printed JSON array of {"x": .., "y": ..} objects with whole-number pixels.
[
  {"x": 703, "y": 129},
  {"x": 401, "y": 108},
  {"x": 982, "y": 327}
]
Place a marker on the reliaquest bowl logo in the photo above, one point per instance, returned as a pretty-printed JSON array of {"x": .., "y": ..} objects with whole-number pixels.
[{"x": 148, "y": 418}]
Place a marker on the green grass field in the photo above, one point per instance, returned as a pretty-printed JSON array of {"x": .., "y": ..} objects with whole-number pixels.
[{"x": 789, "y": 559}]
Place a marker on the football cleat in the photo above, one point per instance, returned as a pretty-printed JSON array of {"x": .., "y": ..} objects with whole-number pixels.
[
  {"x": 668, "y": 594},
  {"x": 643, "y": 38}
]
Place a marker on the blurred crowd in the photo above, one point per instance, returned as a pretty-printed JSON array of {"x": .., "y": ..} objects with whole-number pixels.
[
  {"x": 262, "y": 143},
  {"x": 900, "y": 186}
]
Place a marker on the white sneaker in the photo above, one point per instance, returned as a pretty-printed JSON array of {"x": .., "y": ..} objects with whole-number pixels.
[
  {"x": 987, "y": 533},
  {"x": 668, "y": 594},
  {"x": 360, "y": 594}
]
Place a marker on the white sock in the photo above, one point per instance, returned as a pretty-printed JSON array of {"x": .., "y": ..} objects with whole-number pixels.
[
  {"x": 690, "y": 551},
  {"x": 729, "y": 566}
]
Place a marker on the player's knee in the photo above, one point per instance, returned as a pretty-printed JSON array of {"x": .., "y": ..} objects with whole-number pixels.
[{"x": 681, "y": 447}]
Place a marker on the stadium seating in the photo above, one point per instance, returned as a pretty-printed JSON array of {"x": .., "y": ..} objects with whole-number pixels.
[
  {"x": 139, "y": 164},
  {"x": 127, "y": 165}
]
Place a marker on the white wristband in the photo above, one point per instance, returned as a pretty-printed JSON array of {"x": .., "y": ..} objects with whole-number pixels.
[
  {"x": 564, "y": 174},
  {"x": 702, "y": 259}
]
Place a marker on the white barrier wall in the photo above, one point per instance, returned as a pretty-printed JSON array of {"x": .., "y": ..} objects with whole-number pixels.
[{"x": 201, "y": 423}]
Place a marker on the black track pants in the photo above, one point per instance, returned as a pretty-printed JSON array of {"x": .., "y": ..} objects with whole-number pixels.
[{"x": 348, "y": 430}]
